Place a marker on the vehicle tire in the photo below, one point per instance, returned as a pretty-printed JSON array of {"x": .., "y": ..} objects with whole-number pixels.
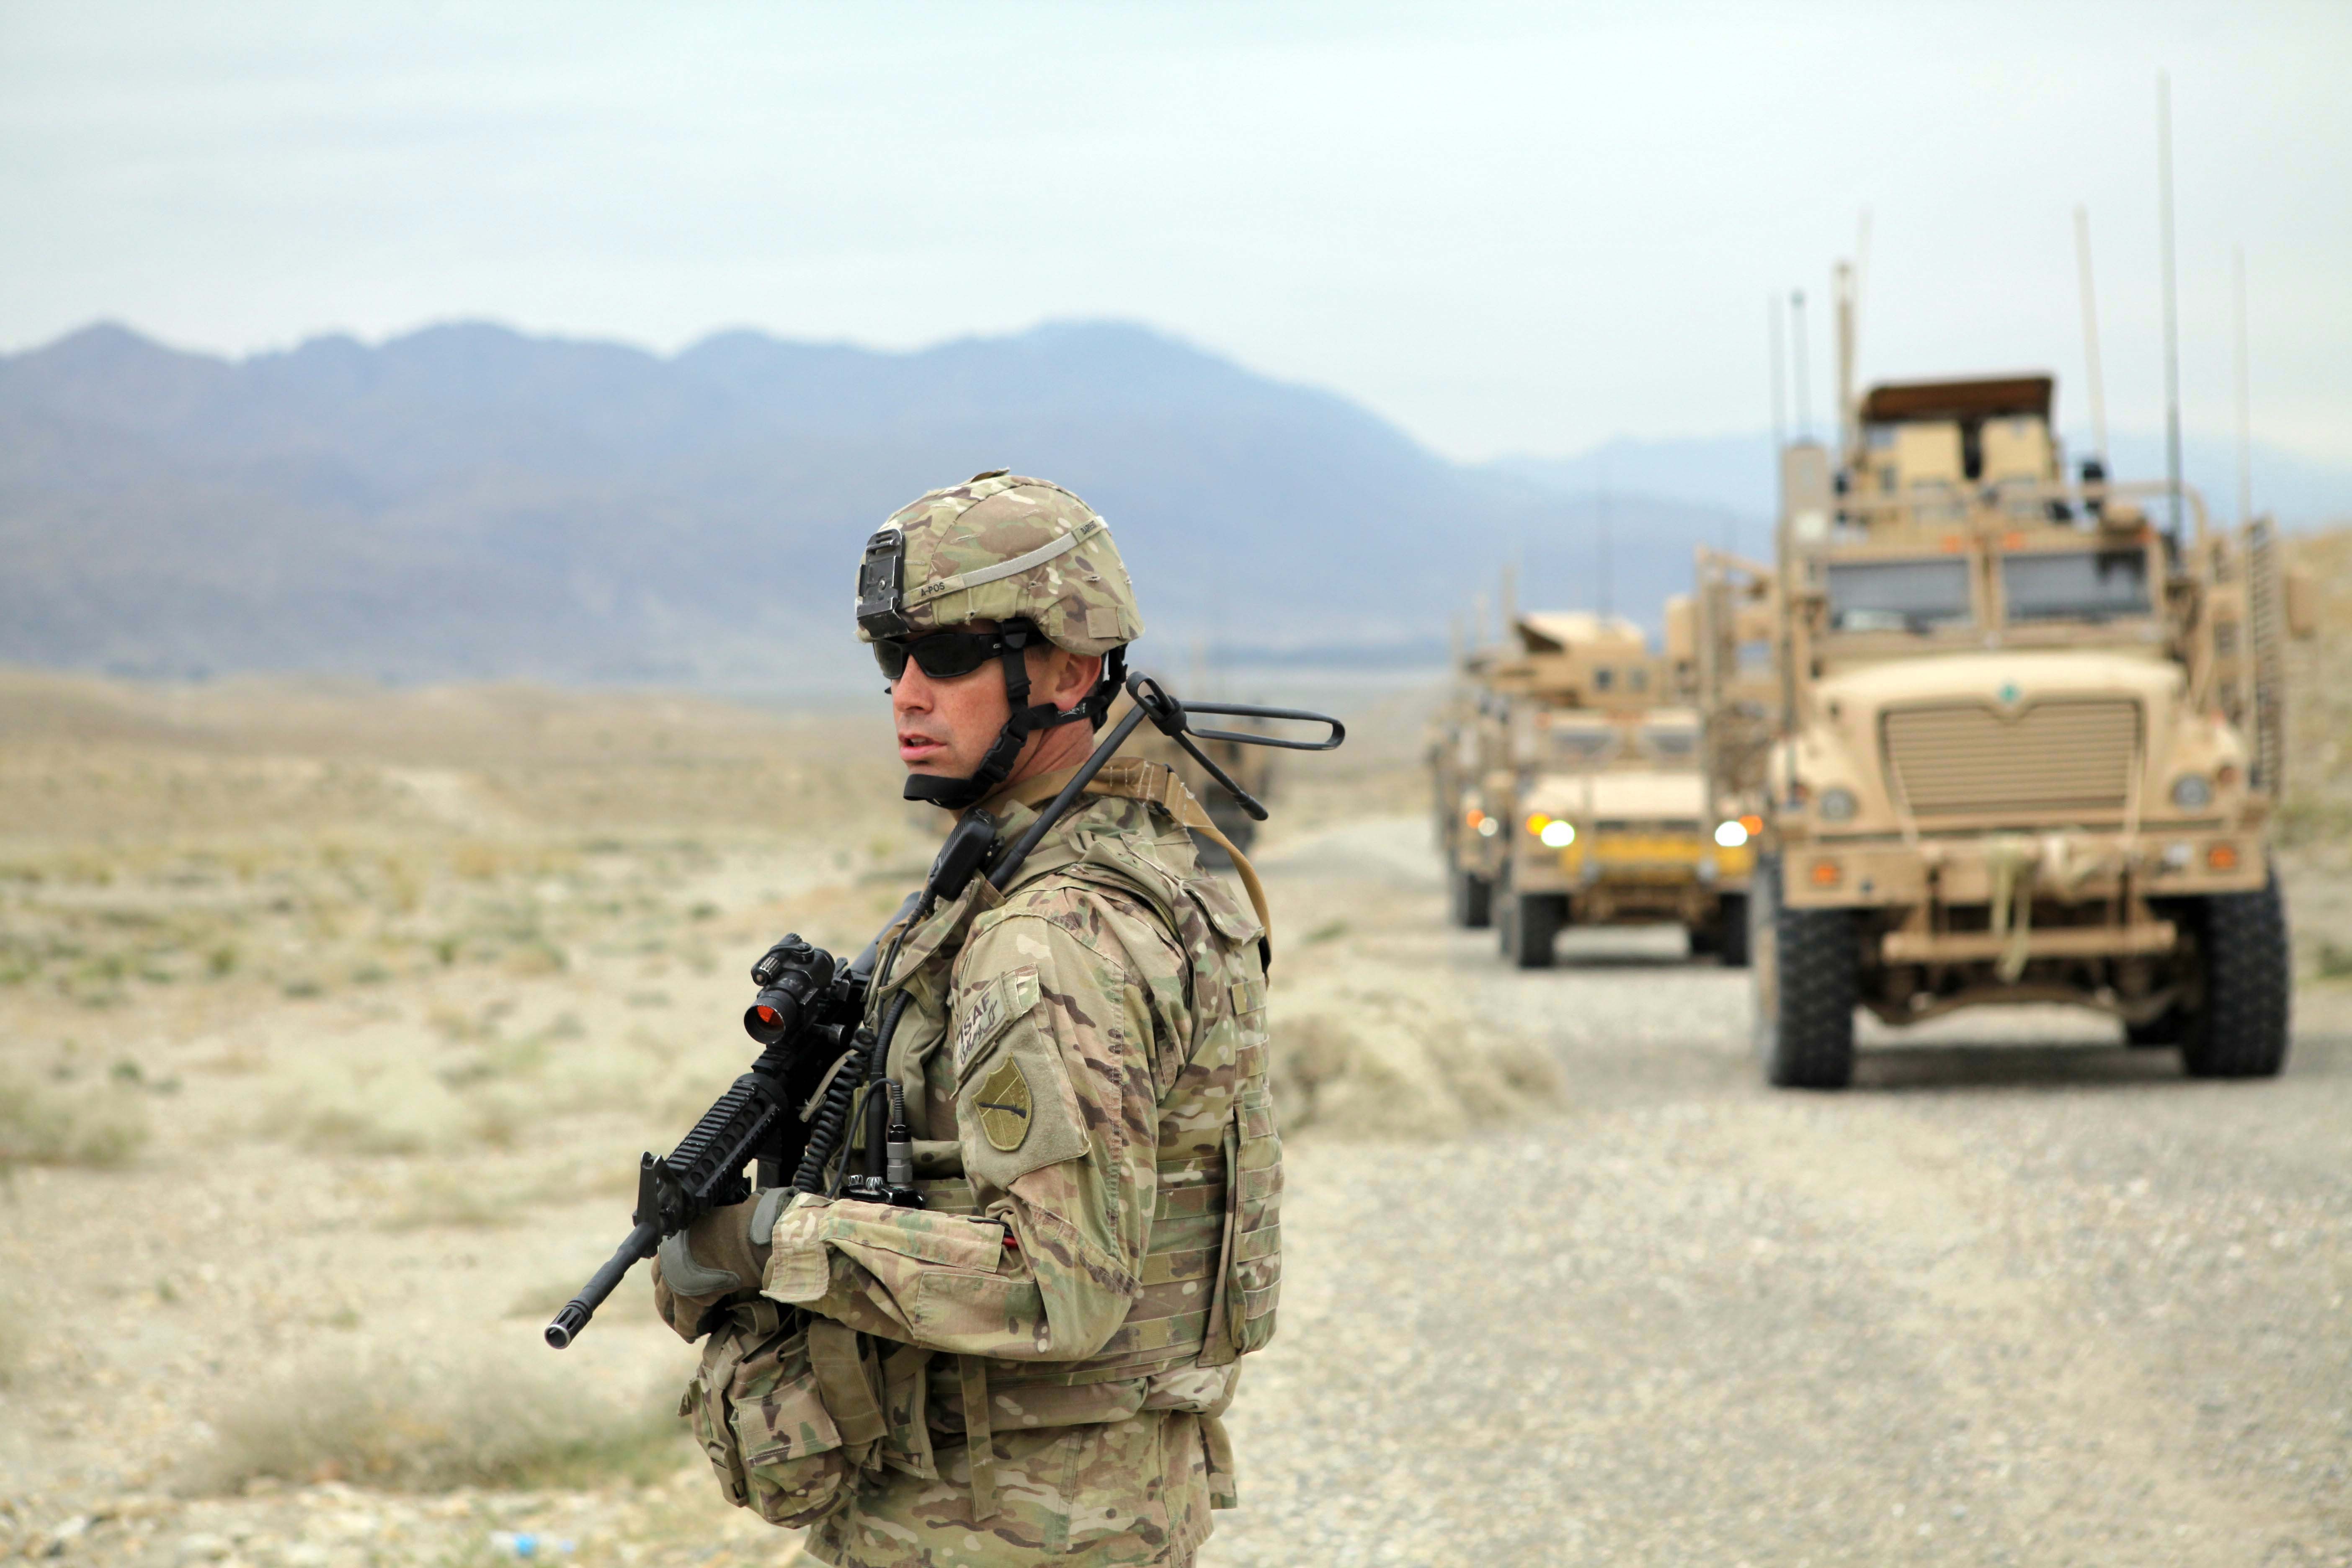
[
  {"x": 1534, "y": 923},
  {"x": 1802, "y": 963},
  {"x": 2240, "y": 1031},
  {"x": 1731, "y": 952},
  {"x": 1473, "y": 900}
]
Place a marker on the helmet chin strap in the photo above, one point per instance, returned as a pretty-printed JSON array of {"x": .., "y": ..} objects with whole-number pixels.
[{"x": 1026, "y": 719}]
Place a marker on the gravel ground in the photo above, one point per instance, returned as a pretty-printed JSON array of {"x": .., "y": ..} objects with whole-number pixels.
[{"x": 2019, "y": 1296}]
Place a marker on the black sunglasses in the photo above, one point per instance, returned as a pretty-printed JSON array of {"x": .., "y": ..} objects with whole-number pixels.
[{"x": 942, "y": 656}]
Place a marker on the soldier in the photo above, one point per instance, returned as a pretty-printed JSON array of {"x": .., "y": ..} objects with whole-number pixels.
[{"x": 1031, "y": 1367}]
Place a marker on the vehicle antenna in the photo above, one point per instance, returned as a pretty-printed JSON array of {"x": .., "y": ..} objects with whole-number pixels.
[
  {"x": 2171, "y": 305},
  {"x": 1849, "y": 431},
  {"x": 2246, "y": 401},
  {"x": 2095, "y": 380},
  {"x": 1600, "y": 541},
  {"x": 1772, "y": 331},
  {"x": 1509, "y": 599},
  {"x": 1861, "y": 275},
  {"x": 1797, "y": 341}
]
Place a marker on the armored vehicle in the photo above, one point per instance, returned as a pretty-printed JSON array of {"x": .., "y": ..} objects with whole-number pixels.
[
  {"x": 2023, "y": 743},
  {"x": 1569, "y": 791}
]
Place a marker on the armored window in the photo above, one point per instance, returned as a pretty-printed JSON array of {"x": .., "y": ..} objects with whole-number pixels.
[
  {"x": 1577, "y": 747},
  {"x": 1898, "y": 595},
  {"x": 1603, "y": 679},
  {"x": 1670, "y": 743},
  {"x": 2075, "y": 584}
]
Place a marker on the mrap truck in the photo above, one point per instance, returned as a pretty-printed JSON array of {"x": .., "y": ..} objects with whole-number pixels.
[
  {"x": 2023, "y": 739},
  {"x": 1568, "y": 788}
]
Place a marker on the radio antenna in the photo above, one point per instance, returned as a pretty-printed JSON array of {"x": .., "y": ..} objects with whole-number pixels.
[
  {"x": 2246, "y": 398},
  {"x": 1804, "y": 392},
  {"x": 2098, "y": 382},
  {"x": 1601, "y": 538},
  {"x": 2171, "y": 306}
]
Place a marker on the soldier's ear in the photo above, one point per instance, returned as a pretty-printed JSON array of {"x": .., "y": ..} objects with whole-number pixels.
[{"x": 1066, "y": 678}]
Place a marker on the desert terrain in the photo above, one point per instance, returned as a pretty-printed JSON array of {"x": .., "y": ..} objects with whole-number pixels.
[{"x": 332, "y": 1019}]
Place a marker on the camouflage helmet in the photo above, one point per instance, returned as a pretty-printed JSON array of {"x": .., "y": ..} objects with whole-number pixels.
[{"x": 998, "y": 548}]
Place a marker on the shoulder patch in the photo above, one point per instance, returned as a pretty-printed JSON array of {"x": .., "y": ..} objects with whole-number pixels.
[
  {"x": 998, "y": 1003},
  {"x": 1004, "y": 1106}
]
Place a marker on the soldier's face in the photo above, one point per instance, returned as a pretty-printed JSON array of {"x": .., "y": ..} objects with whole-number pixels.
[{"x": 945, "y": 727}]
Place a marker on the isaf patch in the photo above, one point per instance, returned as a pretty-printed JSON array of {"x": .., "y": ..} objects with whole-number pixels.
[
  {"x": 1005, "y": 998},
  {"x": 1004, "y": 1106}
]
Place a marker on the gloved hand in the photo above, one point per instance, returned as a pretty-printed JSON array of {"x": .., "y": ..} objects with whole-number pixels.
[{"x": 721, "y": 1255}]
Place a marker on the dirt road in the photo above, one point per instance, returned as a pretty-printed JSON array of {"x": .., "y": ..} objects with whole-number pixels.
[{"x": 2019, "y": 1296}]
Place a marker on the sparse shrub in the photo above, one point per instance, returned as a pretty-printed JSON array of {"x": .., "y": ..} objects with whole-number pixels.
[
  {"x": 383, "y": 1106},
  {"x": 480, "y": 1417},
  {"x": 101, "y": 1124},
  {"x": 16, "y": 1338},
  {"x": 1399, "y": 1062},
  {"x": 2335, "y": 962},
  {"x": 449, "y": 1198}
]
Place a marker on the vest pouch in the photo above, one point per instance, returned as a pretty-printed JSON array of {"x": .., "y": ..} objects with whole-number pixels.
[
  {"x": 759, "y": 1413},
  {"x": 1250, "y": 1282}
]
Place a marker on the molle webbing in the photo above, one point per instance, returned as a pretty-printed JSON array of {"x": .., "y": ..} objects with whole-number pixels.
[
  {"x": 1168, "y": 1324},
  {"x": 1152, "y": 783},
  {"x": 1157, "y": 784}
]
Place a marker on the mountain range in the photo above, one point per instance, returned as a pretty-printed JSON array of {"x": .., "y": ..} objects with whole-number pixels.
[{"x": 469, "y": 501}]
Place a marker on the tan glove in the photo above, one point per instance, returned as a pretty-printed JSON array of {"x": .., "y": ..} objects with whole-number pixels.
[{"x": 714, "y": 1260}]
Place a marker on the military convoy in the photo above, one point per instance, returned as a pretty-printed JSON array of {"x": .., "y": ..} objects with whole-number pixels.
[
  {"x": 1981, "y": 733},
  {"x": 2016, "y": 741},
  {"x": 1569, "y": 791}
]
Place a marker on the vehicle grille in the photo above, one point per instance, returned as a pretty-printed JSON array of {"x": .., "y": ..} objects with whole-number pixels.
[
  {"x": 2061, "y": 757},
  {"x": 1623, "y": 825}
]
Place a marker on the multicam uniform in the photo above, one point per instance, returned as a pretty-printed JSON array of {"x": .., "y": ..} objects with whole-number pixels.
[{"x": 1033, "y": 1365}]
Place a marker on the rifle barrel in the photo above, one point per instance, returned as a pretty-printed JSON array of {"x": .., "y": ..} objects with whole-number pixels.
[{"x": 581, "y": 1308}]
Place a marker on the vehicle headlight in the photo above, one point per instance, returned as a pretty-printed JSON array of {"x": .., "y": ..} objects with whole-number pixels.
[
  {"x": 1837, "y": 804},
  {"x": 2192, "y": 792},
  {"x": 1488, "y": 827},
  {"x": 1730, "y": 834},
  {"x": 1557, "y": 835}
]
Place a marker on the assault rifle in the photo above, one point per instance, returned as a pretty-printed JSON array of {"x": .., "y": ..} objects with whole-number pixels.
[{"x": 815, "y": 1053}]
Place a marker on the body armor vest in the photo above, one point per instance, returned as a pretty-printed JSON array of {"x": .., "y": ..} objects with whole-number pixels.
[{"x": 1212, "y": 1272}]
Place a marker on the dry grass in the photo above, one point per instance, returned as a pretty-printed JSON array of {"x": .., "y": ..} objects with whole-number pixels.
[
  {"x": 483, "y": 1417},
  {"x": 1398, "y": 1062},
  {"x": 16, "y": 1338},
  {"x": 45, "y": 1122}
]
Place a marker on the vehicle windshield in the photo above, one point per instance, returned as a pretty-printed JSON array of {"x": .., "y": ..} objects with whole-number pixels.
[
  {"x": 1898, "y": 595},
  {"x": 1669, "y": 742},
  {"x": 1574, "y": 747},
  {"x": 2075, "y": 584}
]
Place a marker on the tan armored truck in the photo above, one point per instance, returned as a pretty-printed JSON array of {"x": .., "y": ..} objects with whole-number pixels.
[
  {"x": 1570, "y": 790},
  {"x": 2024, "y": 741}
]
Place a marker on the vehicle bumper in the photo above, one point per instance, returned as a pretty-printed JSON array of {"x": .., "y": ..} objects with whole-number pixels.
[
  {"x": 2066, "y": 865},
  {"x": 1667, "y": 876}
]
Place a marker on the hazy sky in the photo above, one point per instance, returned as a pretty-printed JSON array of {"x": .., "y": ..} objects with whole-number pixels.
[{"x": 1507, "y": 228}]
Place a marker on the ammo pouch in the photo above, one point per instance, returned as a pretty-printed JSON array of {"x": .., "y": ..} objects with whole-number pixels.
[{"x": 787, "y": 1408}]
